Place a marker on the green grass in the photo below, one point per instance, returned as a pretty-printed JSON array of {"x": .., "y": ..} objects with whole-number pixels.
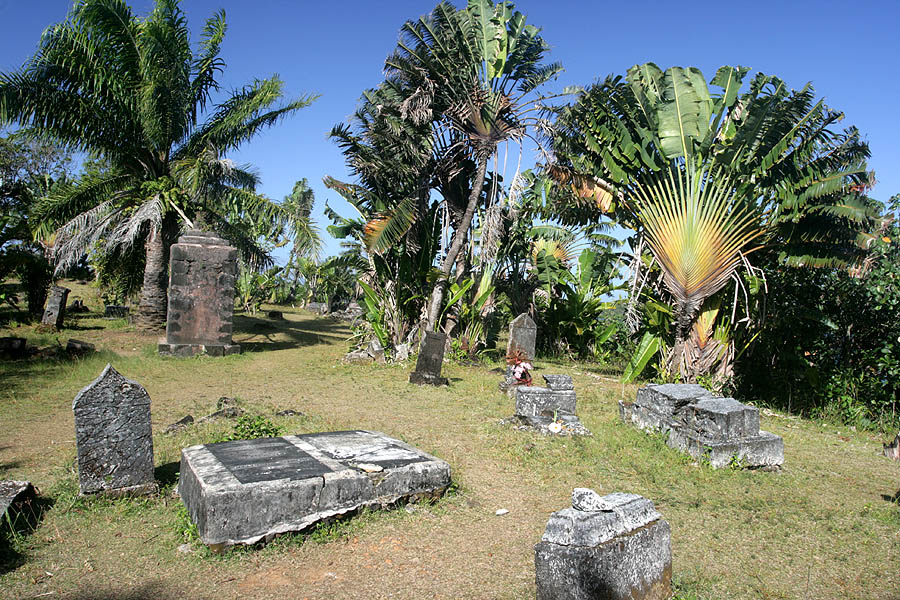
[{"x": 827, "y": 526}]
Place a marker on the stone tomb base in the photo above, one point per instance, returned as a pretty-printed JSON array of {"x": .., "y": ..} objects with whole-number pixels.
[
  {"x": 188, "y": 350},
  {"x": 244, "y": 491}
]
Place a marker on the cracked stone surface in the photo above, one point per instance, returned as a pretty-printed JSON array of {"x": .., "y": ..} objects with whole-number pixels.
[
  {"x": 619, "y": 548},
  {"x": 113, "y": 436},
  {"x": 244, "y": 491}
]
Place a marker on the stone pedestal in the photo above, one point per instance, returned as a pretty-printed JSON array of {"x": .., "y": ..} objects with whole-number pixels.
[
  {"x": 430, "y": 360},
  {"x": 113, "y": 436},
  {"x": 55, "y": 312},
  {"x": 615, "y": 547},
  {"x": 548, "y": 409},
  {"x": 720, "y": 430},
  {"x": 244, "y": 491},
  {"x": 522, "y": 337},
  {"x": 201, "y": 296}
]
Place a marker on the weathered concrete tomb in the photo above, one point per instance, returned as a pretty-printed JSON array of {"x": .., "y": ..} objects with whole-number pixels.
[
  {"x": 200, "y": 316},
  {"x": 720, "y": 430},
  {"x": 549, "y": 409},
  {"x": 430, "y": 360},
  {"x": 245, "y": 491},
  {"x": 55, "y": 312},
  {"x": 113, "y": 436},
  {"x": 612, "y": 547}
]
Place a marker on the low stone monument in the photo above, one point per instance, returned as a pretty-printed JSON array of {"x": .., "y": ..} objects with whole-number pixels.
[
  {"x": 115, "y": 311},
  {"x": 201, "y": 296},
  {"x": 522, "y": 337},
  {"x": 245, "y": 491},
  {"x": 430, "y": 360},
  {"x": 13, "y": 347},
  {"x": 549, "y": 409},
  {"x": 55, "y": 312},
  {"x": 113, "y": 436},
  {"x": 720, "y": 430},
  {"x": 614, "y": 547},
  {"x": 16, "y": 510}
]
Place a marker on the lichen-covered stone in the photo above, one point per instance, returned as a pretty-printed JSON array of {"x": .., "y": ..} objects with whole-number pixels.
[
  {"x": 55, "y": 312},
  {"x": 244, "y": 491},
  {"x": 621, "y": 551},
  {"x": 522, "y": 336},
  {"x": 430, "y": 360},
  {"x": 559, "y": 383},
  {"x": 540, "y": 401},
  {"x": 113, "y": 436}
]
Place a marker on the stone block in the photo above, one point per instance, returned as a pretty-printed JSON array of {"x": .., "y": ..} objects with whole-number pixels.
[
  {"x": 244, "y": 491},
  {"x": 74, "y": 346},
  {"x": 541, "y": 401},
  {"x": 13, "y": 347},
  {"x": 760, "y": 451},
  {"x": 522, "y": 336},
  {"x": 719, "y": 419},
  {"x": 665, "y": 398},
  {"x": 188, "y": 350},
  {"x": 430, "y": 360},
  {"x": 16, "y": 498},
  {"x": 559, "y": 383},
  {"x": 612, "y": 547},
  {"x": 115, "y": 311},
  {"x": 113, "y": 436},
  {"x": 55, "y": 312}
]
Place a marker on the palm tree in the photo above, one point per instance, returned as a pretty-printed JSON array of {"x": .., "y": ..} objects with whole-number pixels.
[
  {"x": 707, "y": 179},
  {"x": 465, "y": 75},
  {"x": 306, "y": 242},
  {"x": 132, "y": 91}
]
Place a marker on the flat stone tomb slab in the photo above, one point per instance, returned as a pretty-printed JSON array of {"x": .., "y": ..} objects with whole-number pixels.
[{"x": 241, "y": 492}]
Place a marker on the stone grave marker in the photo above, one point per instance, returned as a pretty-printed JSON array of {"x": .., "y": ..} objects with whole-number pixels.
[
  {"x": 720, "y": 430},
  {"x": 201, "y": 296},
  {"x": 548, "y": 409},
  {"x": 522, "y": 336},
  {"x": 115, "y": 311},
  {"x": 614, "y": 547},
  {"x": 55, "y": 312},
  {"x": 16, "y": 510},
  {"x": 430, "y": 360},
  {"x": 113, "y": 436},
  {"x": 244, "y": 491}
]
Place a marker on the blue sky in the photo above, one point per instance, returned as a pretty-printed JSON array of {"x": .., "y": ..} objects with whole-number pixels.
[{"x": 337, "y": 49}]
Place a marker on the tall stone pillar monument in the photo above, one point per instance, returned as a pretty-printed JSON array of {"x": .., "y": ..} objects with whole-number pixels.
[{"x": 203, "y": 268}]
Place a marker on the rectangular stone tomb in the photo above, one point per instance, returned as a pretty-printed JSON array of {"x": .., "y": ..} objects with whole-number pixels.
[
  {"x": 615, "y": 547},
  {"x": 720, "y": 430},
  {"x": 534, "y": 401},
  {"x": 241, "y": 492}
]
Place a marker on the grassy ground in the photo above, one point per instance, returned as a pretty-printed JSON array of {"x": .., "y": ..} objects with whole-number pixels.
[{"x": 827, "y": 526}]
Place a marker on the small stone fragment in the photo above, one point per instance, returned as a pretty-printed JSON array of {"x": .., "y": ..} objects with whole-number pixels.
[
  {"x": 369, "y": 467},
  {"x": 289, "y": 413},
  {"x": 501, "y": 512},
  {"x": 588, "y": 500},
  {"x": 179, "y": 424}
]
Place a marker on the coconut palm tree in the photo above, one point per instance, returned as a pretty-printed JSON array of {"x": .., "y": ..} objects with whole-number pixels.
[
  {"x": 706, "y": 179},
  {"x": 466, "y": 75},
  {"x": 132, "y": 91}
]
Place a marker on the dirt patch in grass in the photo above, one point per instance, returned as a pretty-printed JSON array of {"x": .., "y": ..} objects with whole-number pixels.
[{"x": 825, "y": 527}]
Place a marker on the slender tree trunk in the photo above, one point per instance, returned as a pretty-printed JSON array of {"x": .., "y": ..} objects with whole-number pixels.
[
  {"x": 151, "y": 315},
  {"x": 679, "y": 362},
  {"x": 459, "y": 237}
]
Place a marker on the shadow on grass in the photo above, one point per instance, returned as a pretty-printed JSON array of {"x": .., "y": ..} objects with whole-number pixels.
[
  {"x": 152, "y": 590},
  {"x": 895, "y": 498},
  {"x": 299, "y": 333},
  {"x": 15, "y": 529}
]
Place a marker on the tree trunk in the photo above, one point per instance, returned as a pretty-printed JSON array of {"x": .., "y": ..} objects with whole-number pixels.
[
  {"x": 151, "y": 314},
  {"x": 459, "y": 237},
  {"x": 679, "y": 362}
]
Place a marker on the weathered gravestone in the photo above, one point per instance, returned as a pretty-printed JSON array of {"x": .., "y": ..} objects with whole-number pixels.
[
  {"x": 522, "y": 337},
  {"x": 245, "y": 491},
  {"x": 614, "y": 547},
  {"x": 115, "y": 311},
  {"x": 16, "y": 510},
  {"x": 430, "y": 360},
  {"x": 201, "y": 296},
  {"x": 548, "y": 409},
  {"x": 113, "y": 436},
  {"x": 720, "y": 430},
  {"x": 55, "y": 312}
]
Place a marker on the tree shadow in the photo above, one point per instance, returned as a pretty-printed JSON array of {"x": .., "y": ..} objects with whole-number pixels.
[
  {"x": 298, "y": 333},
  {"x": 895, "y": 498},
  {"x": 19, "y": 524}
]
